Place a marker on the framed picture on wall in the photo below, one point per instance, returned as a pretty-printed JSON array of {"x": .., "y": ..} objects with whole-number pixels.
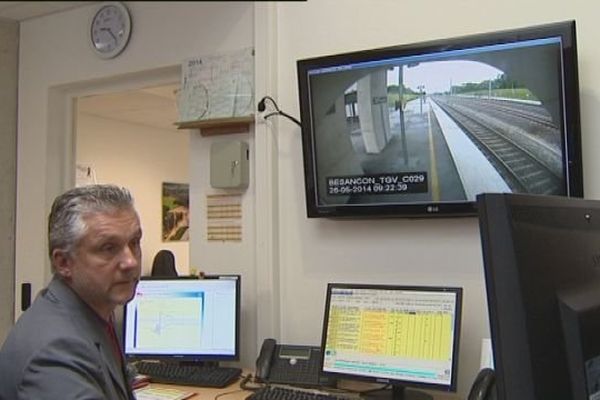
[{"x": 175, "y": 212}]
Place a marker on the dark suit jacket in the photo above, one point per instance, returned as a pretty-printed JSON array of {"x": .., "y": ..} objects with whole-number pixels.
[{"x": 60, "y": 349}]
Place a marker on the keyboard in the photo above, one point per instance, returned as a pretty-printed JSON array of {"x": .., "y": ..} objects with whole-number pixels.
[
  {"x": 173, "y": 373},
  {"x": 286, "y": 393}
]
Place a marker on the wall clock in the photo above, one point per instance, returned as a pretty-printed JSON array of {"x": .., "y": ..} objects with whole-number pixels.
[{"x": 110, "y": 29}]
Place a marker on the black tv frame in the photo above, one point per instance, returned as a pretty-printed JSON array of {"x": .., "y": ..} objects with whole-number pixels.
[{"x": 571, "y": 146}]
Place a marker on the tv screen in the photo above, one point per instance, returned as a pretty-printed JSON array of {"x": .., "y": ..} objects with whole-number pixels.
[
  {"x": 182, "y": 319},
  {"x": 405, "y": 336},
  {"x": 421, "y": 129}
]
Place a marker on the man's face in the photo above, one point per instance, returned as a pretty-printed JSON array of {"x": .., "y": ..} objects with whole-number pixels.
[{"x": 106, "y": 264}]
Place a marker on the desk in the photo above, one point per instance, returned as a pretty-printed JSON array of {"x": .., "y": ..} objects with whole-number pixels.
[
  {"x": 234, "y": 392},
  {"x": 231, "y": 392},
  {"x": 211, "y": 393}
]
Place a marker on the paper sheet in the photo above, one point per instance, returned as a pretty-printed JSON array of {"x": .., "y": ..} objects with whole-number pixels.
[
  {"x": 224, "y": 218},
  {"x": 157, "y": 393},
  {"x": 217, "y": 86}
]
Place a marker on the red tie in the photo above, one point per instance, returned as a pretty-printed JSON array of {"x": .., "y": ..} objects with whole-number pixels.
[{"x": 110, "y": 327}]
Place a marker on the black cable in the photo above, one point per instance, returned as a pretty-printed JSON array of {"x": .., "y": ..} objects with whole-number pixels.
[
  {"x": 248, "y": 384},
  {"x": 271, "y": 114},
  {"x": 228, "y": 393},
  {"x": 262, "y": 106},
  {"x": 291, "y": 118}
]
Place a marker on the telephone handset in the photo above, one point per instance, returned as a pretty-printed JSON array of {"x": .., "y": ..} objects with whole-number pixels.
[
  {"x": 263, "y": 362},
  {"x": 290, "y": 364},
  {"x": 484, "y": 386}
]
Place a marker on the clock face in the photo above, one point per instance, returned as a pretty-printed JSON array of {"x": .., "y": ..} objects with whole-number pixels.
[{"x": 110, "y": 30}]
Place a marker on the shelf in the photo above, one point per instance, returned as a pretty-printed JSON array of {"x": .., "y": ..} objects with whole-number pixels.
[{"x": 219, "y": 126}]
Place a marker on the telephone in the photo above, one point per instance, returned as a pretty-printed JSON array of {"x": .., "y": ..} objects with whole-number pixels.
[
  {"x": 484, "y": 386},
  {"x": 290, "y": 364}
]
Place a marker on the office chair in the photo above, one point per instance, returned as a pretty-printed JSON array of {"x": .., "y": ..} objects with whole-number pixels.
[{"x": 163, "y": 264}]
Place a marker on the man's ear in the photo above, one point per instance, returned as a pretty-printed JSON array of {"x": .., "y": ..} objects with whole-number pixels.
[{"x": 62, "y": 263}]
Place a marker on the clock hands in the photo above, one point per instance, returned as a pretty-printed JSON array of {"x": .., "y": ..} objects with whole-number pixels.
[{"x": 110, "y": 32}]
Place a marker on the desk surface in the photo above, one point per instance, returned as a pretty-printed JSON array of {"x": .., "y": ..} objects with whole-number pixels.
[{"x": 234, "y": 392}]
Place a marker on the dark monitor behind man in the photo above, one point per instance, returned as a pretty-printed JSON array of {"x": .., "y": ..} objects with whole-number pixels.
[
  {"x": 542, "y": 269},
  {"x": 64, "y": 346}
]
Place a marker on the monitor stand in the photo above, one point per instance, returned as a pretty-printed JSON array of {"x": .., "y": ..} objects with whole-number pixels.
[{"x": 397, "y": 392}]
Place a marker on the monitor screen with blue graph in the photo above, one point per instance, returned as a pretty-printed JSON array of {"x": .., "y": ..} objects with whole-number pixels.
[
  {"x": 184, "y": 319},
  {"x": 400, "y": 335}
]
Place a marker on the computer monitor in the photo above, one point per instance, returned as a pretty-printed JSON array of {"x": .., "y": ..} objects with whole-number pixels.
[
  {"x": 397, "y": 335},
  {"x": 178, "y": 319},
  {"x": 419, "y": 129},
  {"x": 542, "y": 272}
]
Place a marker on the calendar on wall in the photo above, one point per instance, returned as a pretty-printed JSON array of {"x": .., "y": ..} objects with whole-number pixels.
[{"x": 217, "y": 86}]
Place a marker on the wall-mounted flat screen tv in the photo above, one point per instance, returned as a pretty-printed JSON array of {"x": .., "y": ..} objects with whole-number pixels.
[{"x": 421, "y": 129}]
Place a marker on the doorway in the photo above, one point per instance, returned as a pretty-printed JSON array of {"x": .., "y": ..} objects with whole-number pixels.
[{"x": 129, "y": 138}]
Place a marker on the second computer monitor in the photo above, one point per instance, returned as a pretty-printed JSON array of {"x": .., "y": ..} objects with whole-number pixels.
[
  {"x": 184, "y": 319},
  {"x": 541, "y": 257},
  {"x": 401, "y": 335}
]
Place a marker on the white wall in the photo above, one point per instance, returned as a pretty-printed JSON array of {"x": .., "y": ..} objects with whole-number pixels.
[
  {"x": 139, "y": 158},
  {"x": 57, "y": 65},
  {"x": 9, "y": 48},
  {"x": 306, "y": 254},
  {"x": 445, "y": 251},
  {"x": 225, "y": 257}
]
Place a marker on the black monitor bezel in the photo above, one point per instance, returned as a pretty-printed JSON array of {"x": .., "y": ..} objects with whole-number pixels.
[
  {"x": 458, "y": 291},
  {"x": 513, "y": 272},
  {"x": 192, "y": 357},
  {"x": 571, "y": 149}
]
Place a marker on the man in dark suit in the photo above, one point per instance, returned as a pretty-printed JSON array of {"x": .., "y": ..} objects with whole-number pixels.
[{"x": 64, "y": 346}]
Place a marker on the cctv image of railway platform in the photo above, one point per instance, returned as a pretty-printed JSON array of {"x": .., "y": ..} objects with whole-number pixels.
[{"x": 442, "y": 126}]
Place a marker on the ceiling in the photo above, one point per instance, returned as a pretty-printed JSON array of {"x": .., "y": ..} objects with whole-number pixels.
[{"x": 154, "y": 107}]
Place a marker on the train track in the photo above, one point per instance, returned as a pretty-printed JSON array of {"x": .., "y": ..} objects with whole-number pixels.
[
  {"x": 526, "y": 112},
  {"x": 521, "y": 170}
]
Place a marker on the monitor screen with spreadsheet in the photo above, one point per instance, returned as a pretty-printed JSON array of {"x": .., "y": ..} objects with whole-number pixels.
[
  {"x": 401, "y": 335},
  {"x": 184, "y": 319}
]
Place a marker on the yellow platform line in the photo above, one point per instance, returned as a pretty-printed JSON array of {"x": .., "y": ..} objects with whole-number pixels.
[{"x": 435, "y": 184}]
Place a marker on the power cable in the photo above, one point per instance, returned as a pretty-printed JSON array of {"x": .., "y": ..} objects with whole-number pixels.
[{"x": 262, "y": 107}]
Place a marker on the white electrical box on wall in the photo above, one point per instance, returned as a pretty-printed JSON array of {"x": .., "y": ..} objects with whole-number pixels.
[{"x": 229, "y": 161}]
